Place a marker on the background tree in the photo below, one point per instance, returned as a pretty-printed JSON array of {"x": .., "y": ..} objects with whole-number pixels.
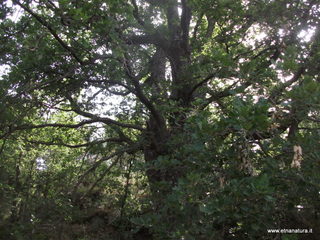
[{"x": 215, "y": 102}]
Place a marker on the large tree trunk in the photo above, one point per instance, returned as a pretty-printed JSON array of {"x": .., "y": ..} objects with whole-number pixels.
[
  {"x": 159, "y": 139},
  {"x": 156, "y": 146}
]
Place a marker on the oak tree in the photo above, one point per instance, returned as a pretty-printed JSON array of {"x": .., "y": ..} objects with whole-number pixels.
[{"x": 211, "y": 96}]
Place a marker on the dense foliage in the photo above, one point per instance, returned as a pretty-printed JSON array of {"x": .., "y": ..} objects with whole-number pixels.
[{"x": 168, "y": 119}]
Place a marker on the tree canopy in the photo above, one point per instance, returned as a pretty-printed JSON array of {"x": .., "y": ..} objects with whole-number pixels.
[{"x": 168, "y": 119}]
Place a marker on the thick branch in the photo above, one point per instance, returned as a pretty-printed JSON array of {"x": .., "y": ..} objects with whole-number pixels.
[
  {"x": 225, "y": 93},
  {"x": 173, "y": 20},
  {"x": 142, "y": 39},
  {"x": 50, "y": 29},
  {"x": 104, "y": 173},
  {"x": 204, "y": 81},
  {"x": 196, "y": 27},
  {"x": 139, "y": 93},
  {"x": 303, "y": 67},
  {"x": 55, "y": 125},
  {"x": 210, "y": 28},
  {"x": 112, "y": 140},
  {"x": 185, "y": 23},
  {"x": 279, "y": 90},
  {"x": 105, "y": 120},
  {"x": 130, "y": 150},
  {"x": 136, "y": 14}
]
